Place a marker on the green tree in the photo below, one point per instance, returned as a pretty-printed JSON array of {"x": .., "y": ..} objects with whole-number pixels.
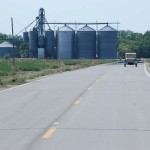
[{"x": 129, "y": 41}]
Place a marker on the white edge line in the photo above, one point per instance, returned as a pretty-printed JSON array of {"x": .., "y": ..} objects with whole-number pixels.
[
  {"x": 17, "y": 86},
  {"x": 146, "y": 70}
]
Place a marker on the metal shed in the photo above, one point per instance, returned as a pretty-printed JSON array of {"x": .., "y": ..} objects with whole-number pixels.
[
  {"x": 107, "y": 41},
  {"x": 65, "y": 42},
  {"x": 86, "y": 43},
  {"x": 7, "y": 48}
]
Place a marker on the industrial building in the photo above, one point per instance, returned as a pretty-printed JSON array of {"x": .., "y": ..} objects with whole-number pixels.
[
  {"x": 69, "y": 43},
  {"x": 6, "y": 48}
]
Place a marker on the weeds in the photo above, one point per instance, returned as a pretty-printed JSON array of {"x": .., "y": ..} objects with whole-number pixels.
[{"x": 31, "y": 68}]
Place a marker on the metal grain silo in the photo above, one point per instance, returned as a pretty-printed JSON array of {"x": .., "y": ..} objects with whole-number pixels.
[
  {"x": 86, "y": 43},
  {"x": 49, "y": 43},
  {"x": 25, "y": 37},
  {"x": 107, "y": 41},
  {"x": 65, "y": 42},
  {"x": 33, "y": 43},
  {"x": 6, "y": 48}
]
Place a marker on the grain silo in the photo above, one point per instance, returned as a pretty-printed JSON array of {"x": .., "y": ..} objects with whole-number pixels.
[
  {"x": 49, "y": 43},
  {"x": 33, "y": 43},
  {"x": 86, "y": 43},
  {"x": 6, "y": 48},
  {"x": 65, "y": 42},
  {"x": 25, "y": 37},
  {"x": 107, "y": 41}
]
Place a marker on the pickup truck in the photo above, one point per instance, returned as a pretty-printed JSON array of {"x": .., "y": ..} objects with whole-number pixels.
[{"x": 130, "y": 58}]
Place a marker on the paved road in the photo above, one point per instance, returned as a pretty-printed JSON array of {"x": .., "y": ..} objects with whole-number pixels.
[{"x": 104, "y": 107}]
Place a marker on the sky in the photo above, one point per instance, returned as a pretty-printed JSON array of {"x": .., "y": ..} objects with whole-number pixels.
[{"x": 131, "y": 14}]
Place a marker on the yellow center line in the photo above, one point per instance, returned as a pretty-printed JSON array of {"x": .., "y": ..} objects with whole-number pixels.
[
  {"x": 49, "y": 133},
  {"x": 77, "y": 102}
]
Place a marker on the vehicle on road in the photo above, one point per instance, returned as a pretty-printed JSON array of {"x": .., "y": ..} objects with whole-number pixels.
[{"x": 130, "y": 59}]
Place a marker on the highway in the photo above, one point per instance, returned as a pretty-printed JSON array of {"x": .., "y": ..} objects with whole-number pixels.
[{"x": 105, "y": 107}]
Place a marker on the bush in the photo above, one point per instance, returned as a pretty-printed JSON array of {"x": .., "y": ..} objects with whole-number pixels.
[
  {"x": 7, "y": 56},
  {"x": 18, "y": 80}
]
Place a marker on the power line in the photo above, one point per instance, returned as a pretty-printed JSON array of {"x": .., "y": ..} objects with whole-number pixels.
[{"x": 25, "y": 28}]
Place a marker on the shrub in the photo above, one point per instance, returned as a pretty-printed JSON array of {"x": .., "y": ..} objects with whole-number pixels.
[{"x": 7, "y": 56}]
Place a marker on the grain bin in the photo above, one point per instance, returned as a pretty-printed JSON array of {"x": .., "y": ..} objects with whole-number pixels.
[
  {"x": 33, "y": 43},
  {"x": 6, "y": 48},
  {"x": 107, "y": 41},
  {"x": 86, "y": 43},
  {"x": 49, "y": 43},
  {"x": 65, "y": 42},
  {"x": 25, "y": 37}
]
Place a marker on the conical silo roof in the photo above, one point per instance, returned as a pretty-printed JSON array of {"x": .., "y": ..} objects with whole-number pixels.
[
  {"x": 86, "y": 28},
  {"x": 66, "y": 28},
  {"x": 108, "y": 28},
  {"x": 6, "y": 44}
]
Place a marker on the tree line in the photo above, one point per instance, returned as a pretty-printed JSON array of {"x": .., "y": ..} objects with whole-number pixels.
[{"x": 128, "y": 41}]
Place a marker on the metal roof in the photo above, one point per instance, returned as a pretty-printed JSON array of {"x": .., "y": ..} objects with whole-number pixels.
[
  {"x": 50, "y": 30},
  {"x": 108, "y": 28},
  {"x": 66, "y": 28},
  {"x": 6, "y": 44},
  {"x": 86, "y": 28}
]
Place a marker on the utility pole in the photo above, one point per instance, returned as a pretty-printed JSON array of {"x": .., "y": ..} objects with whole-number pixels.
[{"x": 14, "y": 63}]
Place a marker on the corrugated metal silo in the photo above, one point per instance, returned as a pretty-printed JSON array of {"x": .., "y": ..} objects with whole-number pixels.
[
  {"x": 25, "y": 37},
  {"x": 6, "y": 48},
  {"x": 86, "y": 43},
  {"x": 65, "y": 42},
  {"x": 107, "y": 41},
  {"x": 33, "y": 43},
  {"x": 49, "y": 43}
]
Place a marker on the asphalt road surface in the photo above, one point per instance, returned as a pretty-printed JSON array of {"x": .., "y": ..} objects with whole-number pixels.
[{"x": 105, "y": 107}]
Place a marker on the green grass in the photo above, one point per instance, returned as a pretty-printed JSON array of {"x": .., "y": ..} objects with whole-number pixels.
[
  {"x": 27, "y": 69},
  {"x": 6, "y": 68},
  {"x": 35, "y": 65},
  {"x": 148, "y": 60}
]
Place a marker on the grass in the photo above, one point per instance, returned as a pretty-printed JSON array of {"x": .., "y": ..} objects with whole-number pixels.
[
  {"x": 148, "y": 60},
  {"x": 6, "y": 68},
  {"x": 27, "y": 69}
]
